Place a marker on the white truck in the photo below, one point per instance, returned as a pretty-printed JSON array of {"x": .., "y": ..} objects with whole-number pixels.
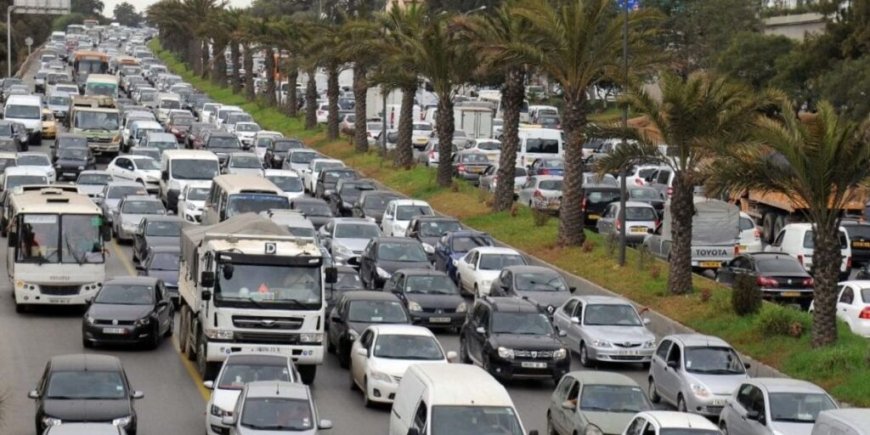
[
  {"x": 248, "y": 285},
  {"x": 474, "y": 120}
]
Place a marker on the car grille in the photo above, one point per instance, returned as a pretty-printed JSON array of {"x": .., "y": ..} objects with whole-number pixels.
[
  {"x": 533, "y": 354},
  {"x": 626, "y": 357},
  {"x": 714, "y": 409},
  {"x": 113, "y": 322},
  {"x": 279, "y": 323},
  {"x": 626, "y": 345},
  {"x": 266, "y": 338},
  {"x": 100, "y": 139},
  {"x": 59, "y": 290},
  {"x": 439, "y": 310}
]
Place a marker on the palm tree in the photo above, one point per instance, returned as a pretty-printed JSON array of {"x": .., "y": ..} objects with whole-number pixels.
[
  {"x": 360, "y": 38},
  {"x": 290, "y": 37},
  {"x": 249, "y": 29},
  {"x": 220, "y": 25},
  {"x": 201, "y": 9},
  {"x": 234, "y": 19},
  {"x": 817, "y": 160},
  {"x": 580, "y": 43},
  {"x": 505, "y": 46},
  {"x": 695, "y": 117}
]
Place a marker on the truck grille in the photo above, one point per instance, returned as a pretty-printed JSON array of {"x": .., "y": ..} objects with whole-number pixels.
[
  {"x": 273, "y": 323},
  {"x": 59, "y": 290},
  {"x": 100, "y": 139},
  {"x": 266, "y": 338}
]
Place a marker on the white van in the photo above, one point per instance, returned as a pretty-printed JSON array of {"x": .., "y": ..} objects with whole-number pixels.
[
  {"x": 452, "y": 398},
  {"x": 26, "y": 109},
  {"x": 165, "y": 103},
  {"x": 848, "y": 421},
  {"x": 797, "y": 241},
  {"x": 536, "y": 143},
  {"x": 221, "y": 115},
  {"x": 179, "y": 168}
]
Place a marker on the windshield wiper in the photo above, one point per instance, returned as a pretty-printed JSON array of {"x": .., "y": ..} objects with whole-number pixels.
[
  {"x": 72, "y": 252},
  {"x": 793, "y": 420}
]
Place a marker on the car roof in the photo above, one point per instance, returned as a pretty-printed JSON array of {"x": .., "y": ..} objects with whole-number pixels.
[
  {"x": 700, "y": 340},
  {"x": 597, "y": 377},
  {"x": 637, "y": 204},
  {"x": 531, "y": 269},
  {"x": 142, "y": 198},
  {"x": 402, "y": 330},
  {"x": 674, "y": 419},
  {"x": 288, "y": 390},
  {"x": 123, "y": 183},
  {"x": 421, "y": 272},
  {"x": 495, "y": 250},
  {"x": 82, "y": 361},
  {"x": 511, "y": 304},
  {"x": 405, "y": 201},
  {"x": 786, "y": 385},
  {"x": 478, "y": 388},
  {"x": 132, "y": 280},
  {"x": 152, "y": 135},
  {"x": 404, "y": 240},
  {"x": 257, "y": 358},
  {"x": 352, "y": 220},
  {"x": 607, "y": 300},
  {"x": 368, "y": 295}
]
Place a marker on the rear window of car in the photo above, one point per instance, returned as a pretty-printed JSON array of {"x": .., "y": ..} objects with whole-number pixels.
[
  {"x": 550, "y": 185},
  {"x": 746, "y": 224},
  {"x": 602, "y": 196},
  {"x": 865, "y": 295},
  {"x": 779, "y": 265},
  {"x": 858, "y": 231},
  {"x": 810, "y": 244}
]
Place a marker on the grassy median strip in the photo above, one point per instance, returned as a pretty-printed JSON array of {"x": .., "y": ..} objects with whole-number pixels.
[{"x": 768, "y": 336}]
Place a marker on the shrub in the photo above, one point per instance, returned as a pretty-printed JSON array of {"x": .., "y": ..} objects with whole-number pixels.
[
  {"x": 745, "y": 296},
  {"x": 540, "y": 217},
  {"x": 780, "y": 320}
]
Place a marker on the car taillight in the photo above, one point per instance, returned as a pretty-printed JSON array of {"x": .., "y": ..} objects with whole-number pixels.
[
  {"x": 618, "y": 225},
  {"x": 543, "y": 171},
  {"x": 848, "y": 263},
  {"x": 800, "y": 259},
  {"x": 583, "y": 205},
  {"x": 865, "y": 314},
  {"x": 766, "y": 282},
  {"x": 460, "y": 168},
  {"x": 757, "y": 234},
  {"x": 538, "y": 194},
  {"x": 808, "y": 282},
  {"x": 670, "y": 191},
  {"x": 638, "y": 181}
]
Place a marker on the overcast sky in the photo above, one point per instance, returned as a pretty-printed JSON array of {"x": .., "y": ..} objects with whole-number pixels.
[{"x": 142, "y": 4}]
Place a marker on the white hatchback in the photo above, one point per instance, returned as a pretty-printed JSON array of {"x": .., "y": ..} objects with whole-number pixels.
[{"x": 476, "y": 271}]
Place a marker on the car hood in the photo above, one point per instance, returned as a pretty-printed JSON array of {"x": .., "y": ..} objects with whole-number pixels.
[
  {"x": 133, "y": 218},
  {"x": 435, "y": 301},
  {"x": 162, "y": 241},
  {"x": 608, "y": 422},
  {"x": 245, "y": 171},
  {"x": 620, "y": 334},
  {"x": 530, "y": 342},
  {"x": 70, "y": 162},
  {"x": 225, "y": 399},
  {"x": 719, "y": 385},
  {"x": 169, "y": 277},
  {"x": 153, "y": 175},
  {"x": 87, "y": 410},
  {"x": 358, "y": 327},
  {"x": 375, "y": 214},
  {"x": 546, "y": 298},
  {"x": 392, "y": 266},
  {"x": 792, "y": 428},
  {"x": 90, "y": 189},
  {"x": 355, "y": 245},
  {"x": 241, "y": 430},
  {"x": 397, "y": 367},
  {"x": 118, "y": 311}
]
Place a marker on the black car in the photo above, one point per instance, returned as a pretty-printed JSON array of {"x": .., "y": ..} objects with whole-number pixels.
[
  {"x": 347, "y": 280},
  {"x": 161, "y": 262},
  {"x": 72, "y": 161},
  {"x": 373, "y": 204},
  {"x": 428, "y": 229},
  {"x": 328, "y": 179},
  {"x": 859, "y": 235},
  {"x": 156, "y": 231},
  {"x": 383, "y": 256},
  {"x": 346, "y": 192},
  {"x": 648, "y": 195},
  {"x": 85, "y": 388},
  {"x": 274, "y": 157},
  {"x": 594, "y": 201},
  {"x": 129, "y": 310},
  {"x": 780, "y": 276},
  {"x": 354, "y": 312},
  {"x": 197, "y": 133},
  {"x": 222, "y": 144},
  {"x": 13, "y": 136},
  {"x": 67, "y": 140},
  {"x": 511, "y": 339},
  {"x": 430, "y": 296},
  {"x": 315, "y": 210},
  {"x": 540, "y": 285}
]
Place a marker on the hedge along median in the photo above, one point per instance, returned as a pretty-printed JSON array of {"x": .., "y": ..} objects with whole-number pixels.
[{"x": 767, "y": 336}]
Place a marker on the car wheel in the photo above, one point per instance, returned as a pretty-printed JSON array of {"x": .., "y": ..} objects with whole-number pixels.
[
  {"x": 584, "y": 356},
  {"x": 353, "y": 385},
  {"x": 681, "y": 404},
  {"x": 463, "y": 353},
  {"x": 205, "y": 369},
  {"x": 344, "y": 356},
  {"x": 87, "y": 343},
  {"x": 170, "y": 329},
  {"x": 329, "y": 346},
  {"x": 653, "y": 393},
  {"x": 365, "y": 390},
  {"x": 154, "y": 341},
  {"x": 723, "y": 428}
]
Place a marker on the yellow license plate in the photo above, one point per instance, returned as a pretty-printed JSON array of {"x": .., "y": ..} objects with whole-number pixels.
[
  {"x": 593, "y": 217},
  {"x": 710, "y": 264},
  {"x": 861, "y": 244},
  {"x": 791, "y": 294},
  {"x": 638, "y": 229}
]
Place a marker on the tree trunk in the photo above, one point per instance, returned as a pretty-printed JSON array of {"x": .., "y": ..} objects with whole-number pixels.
[
  {"x": 332, "y": 100},
  {"x": 445, "y": 127},
  {"x": 292, "y": 98},
  {"x": 360, "y": 89},
  {"x": 270, "y": 76},
  {"x": 571, "y": 214},
  {"x": 235, "y": 60},
  {"x": 680, "y": 257},
  {"x": 404, "y": 147},
  {"x": 826, "y": 270},
  {"x": 512, "y": 99},
  {"x": 249, "y": 72},
  {"x": 194, "y": 58},
  {"x": 205, "y": 59},
  {"x": 311, "y": 101},
  {"x": 219, "y": 72}
]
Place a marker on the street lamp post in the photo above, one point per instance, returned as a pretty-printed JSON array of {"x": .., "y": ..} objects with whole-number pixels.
[{"x": 623, "y": 191}]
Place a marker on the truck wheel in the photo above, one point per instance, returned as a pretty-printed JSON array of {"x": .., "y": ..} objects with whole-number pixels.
[
  {"x": 206, "y": 369},
  {"x": 767, "y": 227},
  {"x": 307, "y": 373},
  {"x": 778, "y": 224}
]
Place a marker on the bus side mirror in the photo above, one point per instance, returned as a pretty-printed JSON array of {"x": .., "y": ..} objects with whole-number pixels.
[
  {"x": 165, "y": 175},
  {"x": 106, "y": 232},
  {"x": 331, "y": 275},
  {"x": 206, "y": 279},
  {"x": 12, "y": 238}
]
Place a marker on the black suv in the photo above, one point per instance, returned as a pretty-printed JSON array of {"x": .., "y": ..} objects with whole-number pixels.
[
  {"x": 510, "y": 338},
  {"x": 346, "y": 193}
]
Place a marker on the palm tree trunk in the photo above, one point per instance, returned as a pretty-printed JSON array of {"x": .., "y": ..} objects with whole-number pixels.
[
  {"x": 360, "y": 89},
  {"x": 332, "y": 100},
  {"x": 292, "y": 98},
  {"x": 205, "y": 59},
  {"x": 219, "y": 72},
  {"x": 194, "y": 58},
  {"x": 249, "y": 72},
  {"x": 682, "y": 210},
  {"x": 311, "y": 101},
  {"x": 445, "y": 127},
  {"x": 826, "y": 270},
  {"x": 404, "y": 147},
  {"x": 571, "y": 215},
  {"x": 235, "y": 60},
  {"x": 512, "y": 99},
  {"x": 270, "y": 76}
]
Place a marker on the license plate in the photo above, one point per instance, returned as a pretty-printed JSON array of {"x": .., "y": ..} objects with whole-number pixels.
[
  {"x": 861, "y": 244},
  {"x": 719, "y": 402},
  {"x": 533, "y": 365},
  {"x": 58, "y": 300},
  {"x": 630, "y": 352},
  {"x": 791, "y": 294},
  {"x": 638, "y": 229},
  {"x": 115, "y": 331},
  {"x": 69, "y": 174},
  {"x": 593, "y": 217},
  {"x": 710, "y": 264},
  {"x": 439, "y": 319},
  {"x": 269, "y": 349}
]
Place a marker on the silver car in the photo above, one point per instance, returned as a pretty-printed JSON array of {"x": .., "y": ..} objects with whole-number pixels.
[
  {"x": 243, "y": 163},
  {"x": 604, "y": 328},
  {"x": 131, "y": 211},
  {"x": 771, "y": 406},
  {"x": 696, "y": 373},
  {"x": 346, "y": 238},
  {"x": 594, "y": 402},
  {"x": 92, "y": 182},
  {"x": 641, "y": 219},
  {"x": 275, "y": 408},
  {"x": 114, "y": 192}
]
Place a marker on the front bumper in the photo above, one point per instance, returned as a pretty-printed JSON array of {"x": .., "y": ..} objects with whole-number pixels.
[
  {"x": 381, "y": 391},
  {"x": 438, "y": 320},
  {"x": 710, "y": 406},
  {"x": 117, "y": 334},
  {"x": 47, "y": 294},
  {"x": 621, "y": 355},
  {"x": 522, "y": 368},
  {"x": 99, "y": 147},
  {"x": 301, "y": 354}
]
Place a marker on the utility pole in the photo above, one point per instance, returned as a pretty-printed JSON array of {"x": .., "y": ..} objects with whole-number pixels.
[{"x": 623, "y": 191}]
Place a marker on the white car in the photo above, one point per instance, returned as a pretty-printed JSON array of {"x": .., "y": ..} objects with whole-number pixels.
[
  {"x": 38, "y": 161},
  {"x": 237, "y": 370},
  {"x": 191, "y": 200},
  {"x": 382, "y": 354},
  {"x": 243, "y": 163},
  {"x": 750, "y": 235},
  {"x": 774, "y": 406},
  {"x": 420, "y": 134},
  {"x": 489, "y": 147},
  {"x": 476, "y": 271},
  {"x": 853, "y": 305},
  {"x": 399, "y": 213},
  {"x": 141, "y": 169},
  {"x": 246, "y": 131},
  {"x": 797, "y": 240},
  {"x": 322, "y": 113},
  {"x": 670, "y": 422},
  {"x": 312, "y": 172},
  {"x": 288, "y": 181},
  {"x": 261, "y": 141}
]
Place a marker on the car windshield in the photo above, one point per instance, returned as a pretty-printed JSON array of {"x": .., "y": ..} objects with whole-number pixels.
[
  {"x": 406, "y": 212},
  {"x": 798, "y": 407},
  {"x": 276, "y": 414},
  {"x": 430, "y": 284},
  {"x": 644, "y": 194},
  {"x": 241, "y": 203},
  {"x": 146, "y": 164},
  {"x": 170, "y": 104},
  {"x": 613, "y": 398},
  {"x": 438, "y": 228},
  {"x": 106, "y": 121},
  {"x": 142, "y": 207},
  {"x": 198, "y": 169},
  {"x": 164, "y": 261},
  {"x": 640, "y": 214},
  {"x": 474, "y": 158},
  {"x": 523, "y": 323},
  {"x": 537, "y": 281},
  {"x": 422, "y": 127},
  {"x": 282, "y": 146},
  {"x": 163, "y": 229},
  {"x": 679, "y": 431},
  {"x": 611, "y": 315},
  {"x": 73, "y": 153},
  {"x": 125, "y": 294},
  {"x": 553, "y": 163},
  {"x": 542, "y": 146},
  {"x": 377, "y": 311},
  {"x": 247, "y": 162},
  {"x": 197, "y": 194},
  {"x": 224, "y": 142},
  {"x": 247, "y": 127},
  {"x": 285, "y": 183},
  {"x": 94, "y": 179},
  {"x": 865, "y": 295},
  {"x": 356, "y": 231},
  {"x": 236, "y": 118},
  {"x": 713, "y": 360},
  {"x": 605, "y": 179},
  {"x": 313, "y": 208},
  {"x": 6, "y": 130},
  {"x": 408, "y": 347},
  {"x": 91, "y": 384},
  {"x": 489, "y": 145},
  {"x": 465, "y": 244},
  {"x": 378, "y": 202},
  {"x": 780, "y": 265},
  {"x": 499, "y": 261},
  {"x": 320, "y": 166},
  {"x": 474, "y": 420},
  {"x": 235, "y": 375},
  {"x": 550, "y": 185},
  {"x": 304, "y": 157},
  {"x": 185, "y": 121},
  {"x": 33, "y": 160},
  {"x": 72, "y": 142},
  {"x": 402, "y": 252},
  {"x": 16, "y": 111},
  {"x": 6, "y": 162},
  {"x": 58, "y": 100}
]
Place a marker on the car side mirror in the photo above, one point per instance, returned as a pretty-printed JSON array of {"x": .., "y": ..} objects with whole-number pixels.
[
  {"x": 228, "y": 420},
  {"x": 480, "y": 330},
  {"x": 568, "y": 404},
  {"x": 747, "y": 365},
  {"x": 33, "y": 394},
  {"x": 413, "y": 431},
  {"x": 206, "y": 295},
  {"x": 137, "y": 394},
  {"x": 206, "y": 279},
  {"x": 562, "y": 333},
  {"x": 331, "y": 275},
  {"x": 165, "y": 175},
  {"x": 575, "y": 320},
  {"x": 753, "y": 414},
  {"x": 363, "y": 352},
  {"x": 572, "y": 289},
  {"x": 324, "y": 424},
  {"x": 452, "y": 357},
  {"x": 208, "y": 385},
  {"x": 673, "y": 364}
]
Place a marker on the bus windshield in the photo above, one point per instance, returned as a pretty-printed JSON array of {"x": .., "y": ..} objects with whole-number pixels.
[
  {"x": 51, "y": 238},
  {"x": 107, "y": 121},
  {"x": 255, "y": 203}
]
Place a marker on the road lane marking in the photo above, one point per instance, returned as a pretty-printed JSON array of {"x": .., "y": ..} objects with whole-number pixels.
[{"x": 188, "y": 366}]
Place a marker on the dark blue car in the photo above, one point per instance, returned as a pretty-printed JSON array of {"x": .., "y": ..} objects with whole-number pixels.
[{"x": 453, "y": 245}]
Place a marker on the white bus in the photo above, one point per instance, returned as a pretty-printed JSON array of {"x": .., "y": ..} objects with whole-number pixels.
[{"x": 55, "y": 252}]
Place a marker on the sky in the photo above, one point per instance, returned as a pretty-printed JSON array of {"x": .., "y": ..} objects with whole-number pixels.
[{"x": 142, "y": 4}]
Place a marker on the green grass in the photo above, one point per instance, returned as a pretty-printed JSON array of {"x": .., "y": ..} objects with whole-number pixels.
[{"x": 842, "y": 369}]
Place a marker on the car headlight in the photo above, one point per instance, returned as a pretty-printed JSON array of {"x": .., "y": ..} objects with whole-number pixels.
[
  {"x": 560, "y": 354},
  {"x": 651, "y": 343},
  {"x": 383, "y": 273},
  {"x": 90, "y": 320},
  {"x": 593, "y": 430},
  {"x": 190, "y": 206},
  {"x": 51, "y": 421},
  {"x": 415, "y": 307},
  {"x": 461, "y": 308},
  {"x": 311, "y": 337},
  {"x": 145, "y": 321},
  {"x": 342, "y": 251},
  {"x": 505, "y": 353},
  {"x": 81, "y": 168},
  {"x": 428, "y": 248},
  {"x": 550, "y": 309},
  {"x": 217, "y": 411},
  {"x": 601, "y": 343},
  {"x": 379, "y": 376},
  {"x": 219, "y": 334},
  {"x": 699, "y": 390},
  {"x": 123, "y": 421}
]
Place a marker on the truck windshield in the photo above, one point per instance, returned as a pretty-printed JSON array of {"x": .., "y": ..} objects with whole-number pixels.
[
  {"x": 51, "y": 238},
  {"x": 468, "y": 420},
  {"x": 290, "y": 287},
  {"x": 107, "y": 121},
  {"x": 196, "y": 169},
  {"x": 107, "y": 89},
  {"x": 255, "y": 203}
]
